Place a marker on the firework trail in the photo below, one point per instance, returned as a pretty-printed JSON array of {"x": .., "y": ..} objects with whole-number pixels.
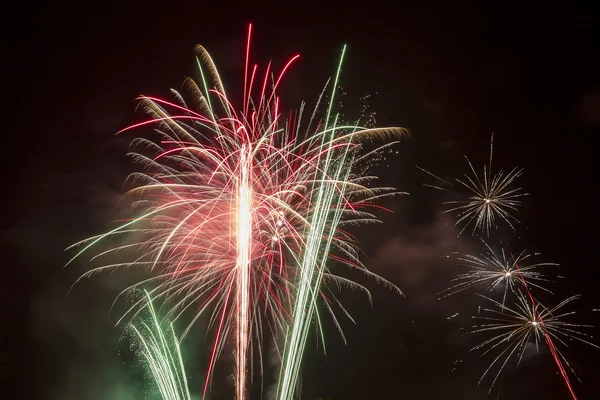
[
  {"x": 516, "y": 326},
  {"x": 311, "y": 269},
  {"x": 496, "y": 270},
  {"x": 238, "y": 207},
  {"x": 161, "y": 351},
  {"x": 548, "y": 337},
  {"x": 492, "y": 198}
]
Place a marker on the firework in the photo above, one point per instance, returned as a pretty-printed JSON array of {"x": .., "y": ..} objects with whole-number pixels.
[
  {"x": 240, "y": 209},
  {"x": 161, "y": 351},
  {"x": 525, "y": 324},
  {"x": 492, "y": 197},
  {"x": 312, "y": 267},
  {"x": 497, "y": 270}
]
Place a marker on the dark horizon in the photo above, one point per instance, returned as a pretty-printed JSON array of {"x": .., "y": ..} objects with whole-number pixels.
[{"x": 453, "y": 75}]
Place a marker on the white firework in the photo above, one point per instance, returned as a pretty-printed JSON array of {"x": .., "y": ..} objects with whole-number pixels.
[
  {"x": 499, "y": 270},
  {"x": 527, "y": 322},
  {"x": 492, "y": 198}
]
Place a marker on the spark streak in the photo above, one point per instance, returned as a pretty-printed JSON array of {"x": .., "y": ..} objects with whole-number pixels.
[
  {"x": 556, "y": 355},
  {"x": 163, "y": 356},
  {"x": 312, "y": 265},
  {"x": 244, "y": 243}
]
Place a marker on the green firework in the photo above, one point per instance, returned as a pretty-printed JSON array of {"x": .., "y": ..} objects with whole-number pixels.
[{"x": 160, "y": 349}]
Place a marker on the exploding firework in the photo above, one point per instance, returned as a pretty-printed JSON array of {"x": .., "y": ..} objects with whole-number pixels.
[
  {"x": 492, "y": 197},
  {"x": 527, "y": 324},
  {"x": 240, "y": 210},
  {"x": 312, "y": 267},
  {"x": 497, "y": 270},
  {"x": 160, "y": 349}
]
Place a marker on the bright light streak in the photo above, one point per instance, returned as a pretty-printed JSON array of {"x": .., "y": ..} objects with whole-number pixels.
[
  {"x": 244, "y": 243},
  {"x": 162, "y": 354}
]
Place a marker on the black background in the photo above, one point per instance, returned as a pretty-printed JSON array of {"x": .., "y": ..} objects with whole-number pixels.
[{"x": 452, "y": 74}]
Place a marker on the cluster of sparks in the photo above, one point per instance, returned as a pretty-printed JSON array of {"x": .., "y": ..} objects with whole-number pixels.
[
  {"x": 160, "y": 349},
  {"x": 241, "y": 212},
  {"x": 518, "y": 318},
  {"x": 499, "y": 270},
  {"x": 492, "y": 198},
  {"x": 514, "y": 328}
]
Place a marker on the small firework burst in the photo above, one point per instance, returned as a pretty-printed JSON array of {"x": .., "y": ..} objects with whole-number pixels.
[
  {"x": 499, "y": 270},
  {"x": 523, "y": 325},
  {"x": 492, "y": 197}
]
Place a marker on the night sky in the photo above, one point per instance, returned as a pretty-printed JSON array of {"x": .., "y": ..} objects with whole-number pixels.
[{"x": 450, "y": 74}]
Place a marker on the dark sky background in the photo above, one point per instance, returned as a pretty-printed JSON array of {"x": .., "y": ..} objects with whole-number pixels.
[{"x": 452, "y": 74}]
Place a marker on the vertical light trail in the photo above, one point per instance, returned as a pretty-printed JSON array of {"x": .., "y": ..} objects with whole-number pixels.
[
  {"x": 247, "y": 89},
  {"x": 163, "y": 356},
  {"x": 311, "y": 264},
  {"x": 547, "y": 337},
  {"x": 244, "y": 236}
]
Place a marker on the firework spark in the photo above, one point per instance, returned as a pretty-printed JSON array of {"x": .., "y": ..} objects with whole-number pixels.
[
  {"x": 523, "y": 324},
  {"x": 492, "y": 197},
  {"x": 240, "y": 210},
  {"x": 312, "y": 267},
  {"x": 161, "y": 351},
  {"x": 497, "y": 270}
]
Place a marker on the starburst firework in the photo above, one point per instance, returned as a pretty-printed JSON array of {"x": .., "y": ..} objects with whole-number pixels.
[
  {"x": 492, "y": 197},
  {"x": 499, "y": 270},
  {"x": 240, "y": 210},
  {"x": 524, "y": 323}
]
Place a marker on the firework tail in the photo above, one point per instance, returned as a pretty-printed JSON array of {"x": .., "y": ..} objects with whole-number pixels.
[
  {"x": 312, "y": 265},
  {"x": 163, "y": 356},
  {"x": 547, "y": 337},
  {"x": 244, "y": 227}
]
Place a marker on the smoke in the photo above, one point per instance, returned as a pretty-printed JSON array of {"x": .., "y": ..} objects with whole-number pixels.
[
  {"x": 415, "y": 254},
  {"x": 68, "y": 344},
  {"x": 420, "y": 260}
]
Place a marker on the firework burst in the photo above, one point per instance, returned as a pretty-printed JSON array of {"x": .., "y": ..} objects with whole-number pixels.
[
  {"x": 523, "y": 325},
  {"x": 239, "y": 210},
  {"x": 497, "y": 270},
  {"x": 492, "y": 197}
]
